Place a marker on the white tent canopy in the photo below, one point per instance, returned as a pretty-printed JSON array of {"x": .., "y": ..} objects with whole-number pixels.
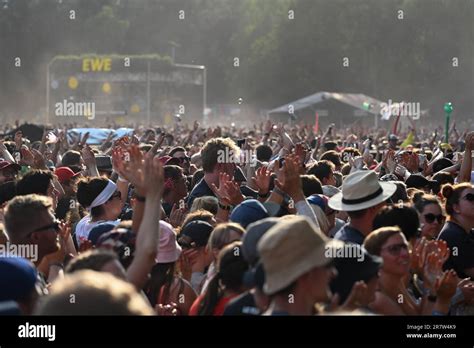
[{"x": 359, "y": 101}]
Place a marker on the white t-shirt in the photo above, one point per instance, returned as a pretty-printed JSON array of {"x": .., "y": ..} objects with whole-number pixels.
[{"x": 85, "y": 225}]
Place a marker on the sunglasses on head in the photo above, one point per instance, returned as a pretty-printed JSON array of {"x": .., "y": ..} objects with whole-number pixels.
[
  {"x": 430, "y": 218},
  {"x": 396, "y": 249},
  {"x": 469, "y": 197}
]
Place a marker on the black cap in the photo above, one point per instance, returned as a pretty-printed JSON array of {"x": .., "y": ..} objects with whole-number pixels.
[
  {"x": 195, "y": 234},
  {"x": 419, "y": 181}
]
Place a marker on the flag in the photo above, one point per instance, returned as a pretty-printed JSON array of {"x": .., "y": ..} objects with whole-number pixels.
[
  {"x": 316, "y": 123},
  {"x": 409, "y": 140}
]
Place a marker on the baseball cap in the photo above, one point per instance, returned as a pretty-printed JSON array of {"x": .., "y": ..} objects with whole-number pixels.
[
  {"x": 17, "y": 278},
  {"x": 419, "y": 182},
  {"x": 6, "y": 164},
  {"x": 65, "y": 173},
  {"x": 195, "y": 234},
  {"x": 248, "y": 211}
]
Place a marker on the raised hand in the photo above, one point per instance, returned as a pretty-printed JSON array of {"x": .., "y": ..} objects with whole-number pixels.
[
  {"x": 300, "y": 152},
  {"x": 446, "y": 285},
  {"x": 288, "y": 178},
  {"x": 228, "y": 191},
  {"x": 262, "y": 180},
  {"x": 128, "y": 163},
  {"x": 177, "y": 215},
  {"x": 88, "y": 156},
  {"x": 153, "y": 175}
]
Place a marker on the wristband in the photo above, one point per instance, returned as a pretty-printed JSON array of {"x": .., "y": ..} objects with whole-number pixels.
[{"x": 265, "y": 195}]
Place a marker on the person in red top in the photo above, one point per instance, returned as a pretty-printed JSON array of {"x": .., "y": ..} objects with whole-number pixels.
[{"x": 225, "y": 285}]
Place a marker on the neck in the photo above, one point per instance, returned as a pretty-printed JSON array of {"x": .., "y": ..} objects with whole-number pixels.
[
  {"x": 101, "y": 217},
  {"x": 300, "y": 305},
  {"x": 363, "y": 225},
  {"x": 466, "y": 223},
  {"x": 211, "y": 178}
]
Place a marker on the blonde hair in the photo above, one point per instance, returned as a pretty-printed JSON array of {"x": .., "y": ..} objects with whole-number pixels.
[
  {"x": 93, "y": 293},
  {"x": 219, "y": 237}
]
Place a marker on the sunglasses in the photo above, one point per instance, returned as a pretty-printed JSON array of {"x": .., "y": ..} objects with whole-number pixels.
[
  {"x": 55, "y": 225},
  {"x": 116, "y": 194},
  {"x": 469, "y": 197},
  {"x": 396, "y": 249},
  {"x": 183, "y": 159},
  {"x": 430, "y": 218}
]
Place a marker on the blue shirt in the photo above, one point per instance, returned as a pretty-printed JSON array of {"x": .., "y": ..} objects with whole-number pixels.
[{"x": 350, "y": 234}]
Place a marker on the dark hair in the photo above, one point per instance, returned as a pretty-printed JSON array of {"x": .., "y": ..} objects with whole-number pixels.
[
  {"x": 92, "y": 259},
  {"x": 71, "y": 158},
  {"x": 231, "y": 269},
  {"x": 400, "y": 193},
  {"x": 330, "y": 145},
  {"x": 176, "y": 149},
  {"x": 7, "y": 191},
  {"x": 35, "y": 181},
  {"x": 356, "y": 214},
  {"x": 452, "y": 194},
  {"x": 264, "y": 153},
  {"x": 197, "y": 176},
  {"x": 421, "y": 200},
  {"x": 162, "y": 274},
  {"x": 404, "y": 217},
  {"x": 441, "y": 164},
  {"x": 376, "y": 239},
  {"x": 311, "y": 185},
  {"x": 87, "y": 190},
  {"x": 346, "y": 169},
  {"x": 442, "y": 178},
  {"x": 332, "y": 156},
  {"x": 171, "y": 172},
  {"x": 322, "y": 169}
]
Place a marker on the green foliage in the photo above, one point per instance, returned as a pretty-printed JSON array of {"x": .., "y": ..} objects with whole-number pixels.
[{"x": 281, "y": 59}]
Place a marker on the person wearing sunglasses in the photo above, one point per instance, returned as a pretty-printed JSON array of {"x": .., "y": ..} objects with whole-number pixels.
[
  {"x": 430, "y": 213},
  {"x": 393, "y": 296},
  {"x": 103, "y": 201},
  {"x": 391, "y": 245},
  {"x": 29, "y": 220},
  {"x": 180, "y": 158},
  {"x": 457, "y": 231}
]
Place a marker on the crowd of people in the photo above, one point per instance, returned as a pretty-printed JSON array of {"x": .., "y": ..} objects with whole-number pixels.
[{"x": 269, "y": 220}]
